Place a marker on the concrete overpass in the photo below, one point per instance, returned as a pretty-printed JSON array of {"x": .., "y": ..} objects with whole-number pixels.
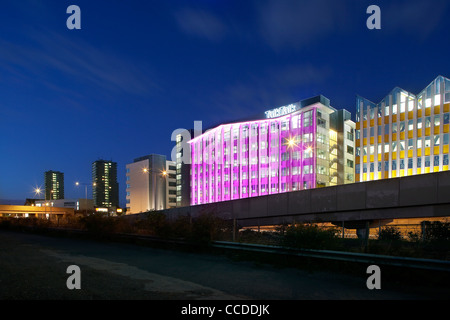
[
  {"x": 354, "y": 205},
  {"x": 32, "y": 211}
]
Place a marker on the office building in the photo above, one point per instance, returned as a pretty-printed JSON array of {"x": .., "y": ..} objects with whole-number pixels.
[
  {"x": 404, "y": 134},
  {"x": 105, "y": 186},
  {"x": 183, "y": 168},
  {"x": 295, "y": 147},
  {"x": 54, "y": 185},
  {"x": 171, "y": 184},
  {"x": 150, "y": 184}
]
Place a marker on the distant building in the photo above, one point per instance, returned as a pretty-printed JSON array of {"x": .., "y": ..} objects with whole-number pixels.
[
  {"x": 54, "y": 185},
  {"x": 105, "y": 185},
  {"x": 151, "y": 184},
  {"x": 76, "y": 204}
]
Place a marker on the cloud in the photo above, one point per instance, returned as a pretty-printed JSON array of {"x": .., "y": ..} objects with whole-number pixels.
[
  {"x": 201, "y": 23},
  {"x": 54, "y": 61}
]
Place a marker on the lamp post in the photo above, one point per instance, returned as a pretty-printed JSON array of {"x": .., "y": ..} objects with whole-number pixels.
[
  {"x": 38, "y": 191},
  {"x": 85, "y": 191}
]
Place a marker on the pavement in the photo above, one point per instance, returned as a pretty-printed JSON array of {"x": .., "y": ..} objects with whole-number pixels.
[{"x": 34, "y": 267}]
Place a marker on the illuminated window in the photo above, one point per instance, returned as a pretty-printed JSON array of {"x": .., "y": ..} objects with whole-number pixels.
[
  {"x": 437, "y": 140},
  {"x": 394, "y": 128},
  {"x": 437, "y": 120}
]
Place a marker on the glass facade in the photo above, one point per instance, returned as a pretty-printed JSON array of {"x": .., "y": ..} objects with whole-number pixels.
[
  {"x": 295, "y": 151},
  {"x": 405, "y": 134}
]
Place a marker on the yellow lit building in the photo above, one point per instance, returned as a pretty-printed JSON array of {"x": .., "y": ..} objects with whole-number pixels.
[{"x": 404, "y": 134}]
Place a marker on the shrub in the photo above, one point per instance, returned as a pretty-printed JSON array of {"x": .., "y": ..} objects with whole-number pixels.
[
  {"x": 436, "y": 231},
  {"x": 98, "y": 224},
  {"x": 310, "y": 237},
  {"x": 206, "y": 228},
  {"x": 389, "y": 234}
]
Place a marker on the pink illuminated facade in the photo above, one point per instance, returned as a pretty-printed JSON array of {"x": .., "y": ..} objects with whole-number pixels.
[{"x": 290, "y": 150}]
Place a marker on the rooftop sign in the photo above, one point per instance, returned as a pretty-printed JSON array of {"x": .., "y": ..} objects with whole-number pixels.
[{"x": 282, "y": 111}]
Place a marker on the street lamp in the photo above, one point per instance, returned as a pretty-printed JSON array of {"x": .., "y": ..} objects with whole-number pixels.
[
  {"x": 38, "y": 191},
  {"x": 85, "y": 191}
]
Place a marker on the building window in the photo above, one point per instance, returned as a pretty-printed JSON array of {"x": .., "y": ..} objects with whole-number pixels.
[
  {"x": 349, "y": 163},
  {"x": 446, "y": 118},
  {"x": 394, "y": 128},
  {"x": 437, "y": 120},
  {"x": 350, "y": 150},
  {"x": 437, "y": 140},
  {"x": 436, "y": 161},
  {"x": 445, "y": 138},
  {"x": 419, "y": 123}
]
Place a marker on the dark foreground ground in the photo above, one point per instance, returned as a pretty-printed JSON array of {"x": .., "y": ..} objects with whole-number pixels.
[{"x": 33, "y": 267}]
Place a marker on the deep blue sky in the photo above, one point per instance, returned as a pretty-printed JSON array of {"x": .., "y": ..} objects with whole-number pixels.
[{"x": 138, "y": 70}]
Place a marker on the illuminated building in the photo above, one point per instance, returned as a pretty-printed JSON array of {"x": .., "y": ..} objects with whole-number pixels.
[
  {"x": 183, "y": 167},
  {"x": 150, "y": 184},
  {"x": 105, "y": 186},
  {"x": 404, "y": 134},
  {"x": 295, "y": 147},
  {"x": 76, "y": 204},
  {"x": 171, "y": 184},
  {"x": 54, "y": 185}
]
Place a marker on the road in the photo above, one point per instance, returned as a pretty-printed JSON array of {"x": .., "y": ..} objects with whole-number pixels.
[{"x": 35, "y": 267}]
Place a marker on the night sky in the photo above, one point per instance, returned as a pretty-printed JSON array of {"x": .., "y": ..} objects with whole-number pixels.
[{"x": 138, "y": 70}]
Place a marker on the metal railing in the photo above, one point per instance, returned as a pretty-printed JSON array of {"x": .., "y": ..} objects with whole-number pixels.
[{"x": 429, "y": 264}]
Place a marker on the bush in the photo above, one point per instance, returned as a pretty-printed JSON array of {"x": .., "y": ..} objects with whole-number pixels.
[
  {"x": 310, "y": 237},
  {"x": 98, "y": 224},
  {"x": 206, "y": 228},
  {"x": 436, "y": 231},
  {"x": 389, "y": 234}
]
